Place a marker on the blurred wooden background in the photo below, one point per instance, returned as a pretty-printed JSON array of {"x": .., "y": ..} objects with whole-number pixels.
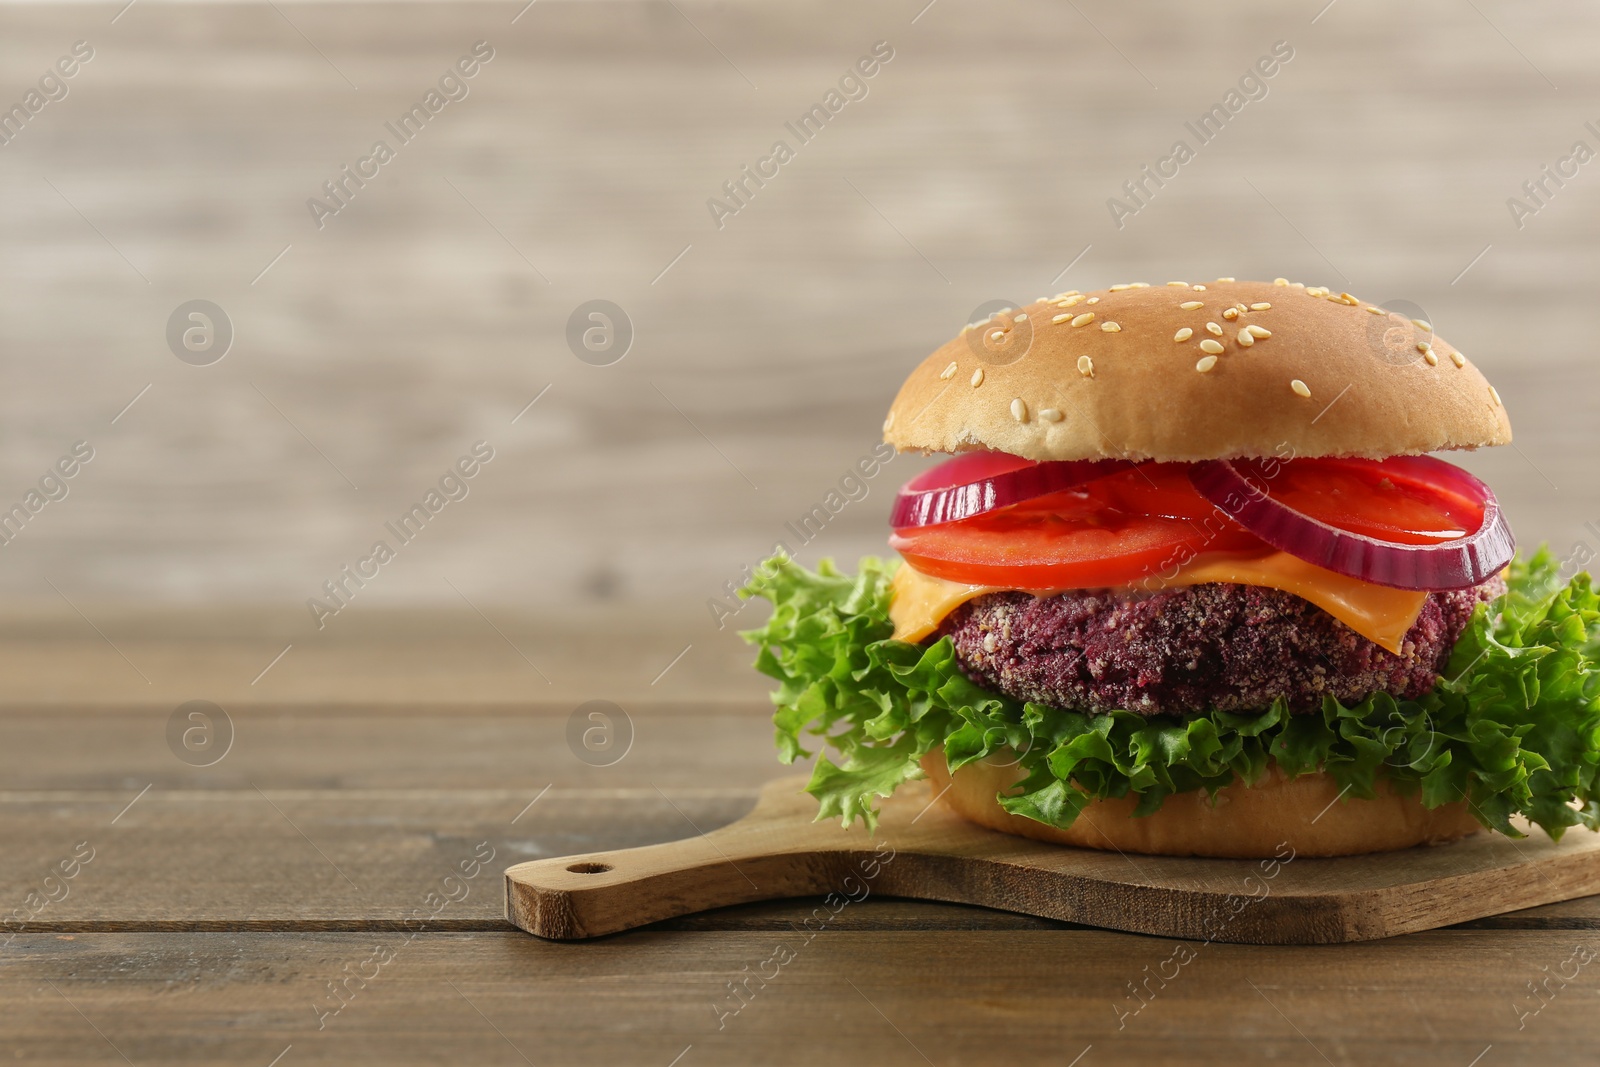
[{"x": 429, "y": 312}]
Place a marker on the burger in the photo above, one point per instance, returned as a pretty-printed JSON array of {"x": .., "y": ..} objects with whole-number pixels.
[{"x": 1192, "y": 583}]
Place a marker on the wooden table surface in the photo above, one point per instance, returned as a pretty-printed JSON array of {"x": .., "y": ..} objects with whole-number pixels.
[
  {"x": 427, "y": 724},
  {"x": 219, "y": 905}
]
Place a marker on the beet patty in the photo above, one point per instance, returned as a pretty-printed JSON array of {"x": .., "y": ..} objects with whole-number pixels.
[{"x": 1179, "y": 651}]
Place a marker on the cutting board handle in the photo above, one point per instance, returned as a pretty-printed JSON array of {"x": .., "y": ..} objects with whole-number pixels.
[{"x": 767, "y": 855}]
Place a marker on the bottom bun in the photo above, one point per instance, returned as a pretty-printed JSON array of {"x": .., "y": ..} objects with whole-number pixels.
[{"x": 1246, "y": 822}]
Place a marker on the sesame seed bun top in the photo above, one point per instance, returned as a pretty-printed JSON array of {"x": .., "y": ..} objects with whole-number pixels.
[{"x": 1185, "y": 372}]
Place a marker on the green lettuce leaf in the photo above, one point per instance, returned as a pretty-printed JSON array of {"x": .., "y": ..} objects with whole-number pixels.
[{"x": 1513, "y": 726}]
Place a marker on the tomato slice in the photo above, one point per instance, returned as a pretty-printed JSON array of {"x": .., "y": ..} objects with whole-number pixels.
[
  {"x": 1112, "y": 531},
  {"x": 1157, "y": 489},
  {"x": 1121, "y": 528},
  {"x": 1391, "y": 500}
]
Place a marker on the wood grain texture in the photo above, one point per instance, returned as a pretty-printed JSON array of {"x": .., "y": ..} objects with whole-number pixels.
[
  {"x": 954, "y": 999},
  {"x": 509, "y": 750},
  {"x": 922, "y": 849},
  {"x": 134, "y": 658},
  {"x": 307, "y": 797},
  {"x": 395, "y": 797},
  {"x": 233, "y": 920}
]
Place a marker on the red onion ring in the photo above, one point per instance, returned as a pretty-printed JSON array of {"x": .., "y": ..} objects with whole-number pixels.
[
  {"x": 974, "y": 483},
  {"x": 1457, "y": 564}
]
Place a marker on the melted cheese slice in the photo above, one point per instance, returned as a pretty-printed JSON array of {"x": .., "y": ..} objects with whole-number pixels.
[{"x": 1376, "y": 612}]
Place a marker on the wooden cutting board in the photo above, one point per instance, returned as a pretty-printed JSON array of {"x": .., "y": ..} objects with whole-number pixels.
[{"x": 925, "y": 852}]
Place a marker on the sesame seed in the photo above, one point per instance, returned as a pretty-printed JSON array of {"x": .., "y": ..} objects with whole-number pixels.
[
  {"x": 1430, "y": 359},
  {"x": 1458, "y": 359},
  {"x": 977, "y": 377},
  {"x": 1198, "y": 288},
  {"x": 1496, "y": 394},
  {"x": 967, "y": 328},
  {"x": 1069, "y": 292},
  {"x": 1050, "y": 414},
  {"x": 1424, "y": 346},
  {"x": 1261, "y": 307},
  {"x": 1139, "y": 285},
  {"x": 1205, "y": 364},
  {"x": 1422, "y": 324},
  {"x": 1071, "y": 301},
  {"x": 1192, "y": 305},
  {"x": 949, "y": 372},
  {"x": 1183, "y": 334},
  {"x": 1280, "y": 281},
  {"x": 1120, "y": 288},
  {"x": 888, "y": 422},
  {"x": 1377, "y": 311},
  {"x": 1230, "y": 314},
  {"x": 1213, "y": 329},
  {"x": 1083, "y": 320},
  {"x": 1246, "y": 338},
  {"x": 1213, "y": 347},
  {"x": 1019, "y": 410},
  {"x": 1086, "y": 366},
  {"x": 1225, "y": 279},
  {"x": 1180, "y": 285},
  {"x": 1300, "y": 388},
  {"x": 1317, "y": 290},
  {"x": 1297, "y": 285},
  {"x": 1021, "y": 317},
  {"x": 1059, "y": 319},
  {"x": 1093, "y": 300},
  {"x": 1259, "y": 331},
  {"x": 997, "y": 335},
  {"x": 1110, "y": 327},
  {"x": 1347, "y": 300}
]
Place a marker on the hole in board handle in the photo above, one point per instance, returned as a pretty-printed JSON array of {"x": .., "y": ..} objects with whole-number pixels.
[{"x": 589, "y": 868}]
